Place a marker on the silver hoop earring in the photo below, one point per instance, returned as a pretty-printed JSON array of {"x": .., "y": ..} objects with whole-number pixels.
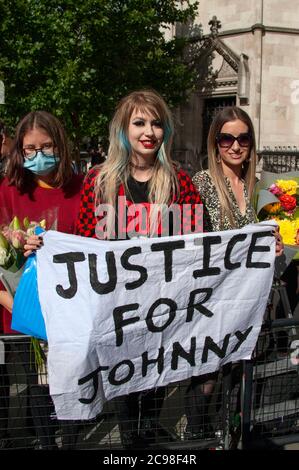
[{"x": 218, "y": 159}]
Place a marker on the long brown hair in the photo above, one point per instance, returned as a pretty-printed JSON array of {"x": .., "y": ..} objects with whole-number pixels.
[
  {"x": 45, "y": 121},
  {"x": 230, "y": 113}
]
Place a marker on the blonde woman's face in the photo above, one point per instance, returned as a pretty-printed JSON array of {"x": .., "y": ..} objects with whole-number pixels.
[
  {"x": 145, "y": 134},
  {"x": 234, "y": 143}
]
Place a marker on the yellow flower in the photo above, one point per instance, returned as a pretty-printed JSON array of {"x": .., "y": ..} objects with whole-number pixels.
[
  {"x": 287, "y": 186},
  {"x": 288, "y": 230},
  {"x": 273, "y": 208}
]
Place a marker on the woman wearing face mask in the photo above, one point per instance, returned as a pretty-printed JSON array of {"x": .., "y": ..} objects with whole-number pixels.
[
  {"x": 40, "y": 184},
  {"x": 40, "y": 175}
]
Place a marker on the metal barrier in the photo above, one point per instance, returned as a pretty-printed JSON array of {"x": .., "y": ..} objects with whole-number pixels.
[
  {"x": 28, "y": 419},
  {"x": 271, "y": 395},
  {"x": 253, "y": 404},
  {"x": 280, "y": 161}
]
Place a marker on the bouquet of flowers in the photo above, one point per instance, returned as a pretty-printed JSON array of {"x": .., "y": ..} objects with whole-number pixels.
[
  {"x": 13, "y": 237},
  {"x": 277, "y": 197},
  {"x": 12, "y": 240},
  {"x": 286, "y": 210}
]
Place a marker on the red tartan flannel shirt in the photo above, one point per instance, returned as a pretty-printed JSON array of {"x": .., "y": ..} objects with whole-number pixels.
[{"x": 189, "y": 199}]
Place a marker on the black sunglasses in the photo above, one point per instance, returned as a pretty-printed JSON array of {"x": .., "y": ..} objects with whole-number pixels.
[{"x": 227, "y": 140}]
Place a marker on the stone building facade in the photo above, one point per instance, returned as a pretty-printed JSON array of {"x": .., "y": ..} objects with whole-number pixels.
[{"x": 247, "y": 54}]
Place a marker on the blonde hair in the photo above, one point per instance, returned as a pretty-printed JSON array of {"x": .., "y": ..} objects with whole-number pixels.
[
  {"x": 230, "y": 113},
  {"x": 116, "y": 169}
]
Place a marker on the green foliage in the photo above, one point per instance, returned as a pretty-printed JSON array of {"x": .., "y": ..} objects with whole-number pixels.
[
  {"x": 77, "y": 58},
  {"x": 39, "y": 358}
]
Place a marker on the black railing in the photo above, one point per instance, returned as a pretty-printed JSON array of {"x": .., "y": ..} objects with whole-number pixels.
[
  {"x": 280, "y": 160},
  {"x": 255, "y": 404}
]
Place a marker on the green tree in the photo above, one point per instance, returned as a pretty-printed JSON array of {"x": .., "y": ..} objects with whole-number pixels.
[{"x": 76, "y": 58}]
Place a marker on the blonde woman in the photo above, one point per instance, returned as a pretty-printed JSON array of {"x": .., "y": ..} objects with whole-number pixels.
[{"x": 138, "y": 170}]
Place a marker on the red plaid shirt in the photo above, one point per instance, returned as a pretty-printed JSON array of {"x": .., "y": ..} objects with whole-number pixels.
[{"x": 88, "y": 223}]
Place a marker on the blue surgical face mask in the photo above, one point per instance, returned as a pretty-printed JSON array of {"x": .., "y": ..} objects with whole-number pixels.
[{"x": 42, "y": 164}]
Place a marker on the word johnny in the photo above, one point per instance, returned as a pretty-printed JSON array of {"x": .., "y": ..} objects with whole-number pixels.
[{"x": 137, "y": 314}]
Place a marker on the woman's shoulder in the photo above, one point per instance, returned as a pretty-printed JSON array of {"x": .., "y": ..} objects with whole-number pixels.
[
  {"x": 185, "y": 182},
  {"x": 202, "y": 179},
  {"x": 3, "y": 190},
  {"x": 77, "y": 179},
  {"x": 91, "y": 175},
  {"x": 6, "y": 187},
  {"x": 182, "y": 175},
  {"x": 4, "y": 183}
]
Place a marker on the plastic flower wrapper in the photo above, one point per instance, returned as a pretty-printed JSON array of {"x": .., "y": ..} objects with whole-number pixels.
[
  {"x": 13, "y": 236},
  {"x": 12, "y": 263}
]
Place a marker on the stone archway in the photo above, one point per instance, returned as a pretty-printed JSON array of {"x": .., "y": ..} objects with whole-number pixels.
[{"x": 223, "y": 80}]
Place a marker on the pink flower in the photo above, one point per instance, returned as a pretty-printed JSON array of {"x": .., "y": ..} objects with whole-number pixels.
[
  {"x": 7, "y": 232},
  {"x": 274, "y": 189},
  {"x": 18, "y": 239}
]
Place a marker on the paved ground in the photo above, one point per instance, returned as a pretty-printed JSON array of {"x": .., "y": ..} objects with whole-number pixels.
[{"x": 292, "y": 447}]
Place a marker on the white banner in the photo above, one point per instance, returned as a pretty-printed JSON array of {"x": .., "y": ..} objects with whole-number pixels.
[{"x": 125, "y": 316}]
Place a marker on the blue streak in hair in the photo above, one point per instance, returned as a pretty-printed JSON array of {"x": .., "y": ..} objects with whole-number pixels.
[
  {"x": 124, "y": 141},
  {"x": 161, "y": 155},
  {"x": 168, "y": 131}
]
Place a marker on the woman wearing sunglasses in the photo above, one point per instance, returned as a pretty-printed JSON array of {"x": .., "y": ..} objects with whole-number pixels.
[{"x": 225, "y": 189}]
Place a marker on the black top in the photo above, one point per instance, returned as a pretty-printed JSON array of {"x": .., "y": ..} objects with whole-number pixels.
[{"x": 138, "y": 191}]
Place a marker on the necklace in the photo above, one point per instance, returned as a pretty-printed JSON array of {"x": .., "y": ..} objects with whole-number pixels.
[{"x": 141, "y": 167}]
